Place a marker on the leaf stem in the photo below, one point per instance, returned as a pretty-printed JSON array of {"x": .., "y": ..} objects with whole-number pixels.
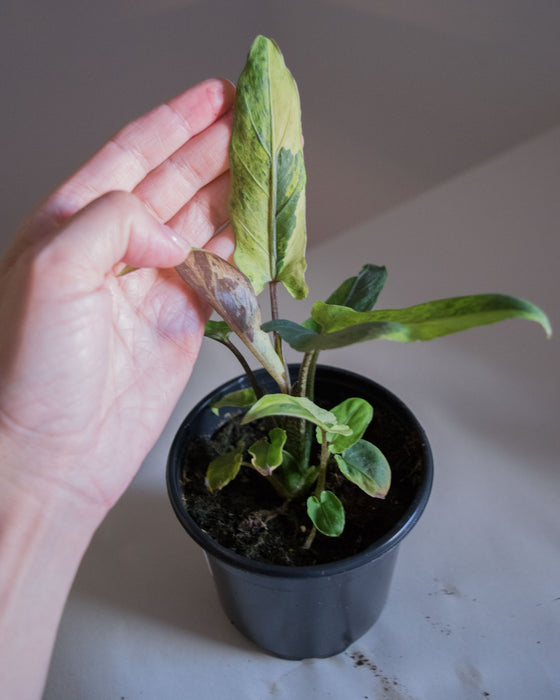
[
  {"x": 310, "y": 538},
  {"x": 322, "y": 478},
  {"x": 248, "y": 371},
  {"x": 273, "y": 291},
  {"x": 321, "y": 481},
  {"x": 306, "y": 388}
]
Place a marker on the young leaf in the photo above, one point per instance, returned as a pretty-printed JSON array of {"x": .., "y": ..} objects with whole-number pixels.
[
  {"x": 267, "y": 195},
  {"x": 291, "y": 478},
  {"x": 224, "y": 468},
  {"x": 326, "y": 513},
  {"x": 365, "y": 465},
  {"x": 361, "y": 292},
  {"x": 356, "y": 414},
  {"x": 267, "y": 452},
  {"x": 244, "y": 398},
  {"x": 231, "y": 295},
  {"x": 298, "y": 407}
]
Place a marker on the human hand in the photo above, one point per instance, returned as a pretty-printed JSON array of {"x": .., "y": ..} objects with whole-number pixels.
[{"x": 91, "y": 364}]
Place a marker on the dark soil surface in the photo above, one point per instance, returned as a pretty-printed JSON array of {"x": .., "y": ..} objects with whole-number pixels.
[{"x": 249, "y": 518}]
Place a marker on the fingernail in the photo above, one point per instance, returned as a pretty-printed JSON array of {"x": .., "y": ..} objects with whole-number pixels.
[
  {"x": 216, "y": 96},
  {"x": 180, "y": 243}
]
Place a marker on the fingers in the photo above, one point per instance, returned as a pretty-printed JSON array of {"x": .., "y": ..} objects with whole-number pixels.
[
  {"x": 114, "y": 228},
  {"x": 142, "y": 146},
  {"x": 196, "y": 164},
  {"x": 204, "y": 214}
]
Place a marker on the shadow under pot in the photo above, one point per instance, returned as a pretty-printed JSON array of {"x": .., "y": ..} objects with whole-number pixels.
[{"x": 317, "y": 609}]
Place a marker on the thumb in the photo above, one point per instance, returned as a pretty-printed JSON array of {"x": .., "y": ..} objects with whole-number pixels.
[{"x": 114, "y": 228}]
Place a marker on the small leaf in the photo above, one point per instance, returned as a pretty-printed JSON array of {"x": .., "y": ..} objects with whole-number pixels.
[
  {"x": 218, "y": 330},
  {"x": 267, "y": 452},
  {"x": 244, "y": 398},
  {"x": 224, "y": 468},
  {"x": 294, "y": 478},
  {"x": 365, "y": 465},
  {"x": 231, "y": 295},
  {"x": 267, "y": 196},
  {"x": 297, "y": 336},
  {"x": 326, "y": 513},
  {"x": 355, "y": 413},
  {"x": 361, "y": 292},
  {"x": 297, "y": 406}
]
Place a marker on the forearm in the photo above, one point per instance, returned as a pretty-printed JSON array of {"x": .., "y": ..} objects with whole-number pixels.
[{"x": 42, "y": 540}]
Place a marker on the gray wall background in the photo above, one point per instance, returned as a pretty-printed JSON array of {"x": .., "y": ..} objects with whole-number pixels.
[{"x": 397, "y": 96}]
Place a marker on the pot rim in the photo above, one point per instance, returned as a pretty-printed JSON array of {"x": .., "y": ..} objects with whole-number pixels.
[{"x": 377, "y": 549}]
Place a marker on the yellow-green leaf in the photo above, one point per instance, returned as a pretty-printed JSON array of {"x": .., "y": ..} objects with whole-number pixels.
[
  {"x": 267, "y": 453},
  {"x": 426, "y": 321},
  {"x": 298, "y": 407},
  {"x": 267, "y": 195},
  {"x": 354, "y": 412},
  {"x": 224, "y": 468}
]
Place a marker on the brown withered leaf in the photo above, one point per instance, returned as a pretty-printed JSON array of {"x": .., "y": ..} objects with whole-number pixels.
[{"x": 230, "y": 293}]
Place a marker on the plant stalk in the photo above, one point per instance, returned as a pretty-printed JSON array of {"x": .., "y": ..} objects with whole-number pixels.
[
  {"x": 273, "y": 291},
  {"x": 306, "y": 388},
  {"x": 322, "y": 478},
  {"x": 248, "y": 371}
]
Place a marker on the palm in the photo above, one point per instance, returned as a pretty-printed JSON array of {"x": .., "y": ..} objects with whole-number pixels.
[{"x": 147, "y": 354}]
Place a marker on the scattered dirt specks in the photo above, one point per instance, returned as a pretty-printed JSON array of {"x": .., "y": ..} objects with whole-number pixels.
[{"x": 387, "y": 688}]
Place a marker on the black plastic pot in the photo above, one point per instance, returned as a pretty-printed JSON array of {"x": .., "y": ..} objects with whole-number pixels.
[{"x": 304, "y": 611}]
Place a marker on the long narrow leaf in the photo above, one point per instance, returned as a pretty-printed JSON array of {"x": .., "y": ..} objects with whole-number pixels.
[
  {"x": 267, "y": 196},
  {"x": 342, "y": 326},
  {"x": 433, "y": 319}
]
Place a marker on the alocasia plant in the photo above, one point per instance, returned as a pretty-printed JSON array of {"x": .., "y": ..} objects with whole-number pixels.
[{"x": 267, "y": 212}]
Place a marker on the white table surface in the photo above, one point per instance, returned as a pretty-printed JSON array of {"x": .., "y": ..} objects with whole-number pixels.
[{"x": 474, "y": 610}]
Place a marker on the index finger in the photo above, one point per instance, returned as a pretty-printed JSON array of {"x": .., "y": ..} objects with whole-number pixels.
[{"x": 142, "y": 145}]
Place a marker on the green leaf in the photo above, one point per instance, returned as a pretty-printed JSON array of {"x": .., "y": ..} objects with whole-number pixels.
[
  {"x": 427, "y": 321},
  {"x": 361, "y": 292},
  {"x": 298, "y": 407},
  {"x": 224, "y": 468},
  {"x": 267, "y": 452},
  {"x": 294, "y": 479},
  {"x": 299, "y": 337},
  {"x": 326, "y": 513},
  {"x": 231, "y": 295},
  {"x": 343, "y": 326},
  {"x": 365, "y": 465},
  {"x": 267, "y": 195},
  {"x": 218, "y": 330},
  {"x": 355, "y": 413},
  {"x": 244, "y": 398}
]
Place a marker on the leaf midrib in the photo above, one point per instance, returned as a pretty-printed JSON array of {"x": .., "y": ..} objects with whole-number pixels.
[{"x": 272, "y": 234}]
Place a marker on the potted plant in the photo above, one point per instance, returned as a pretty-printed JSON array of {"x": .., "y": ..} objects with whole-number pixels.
[{"x": 300, "y": 481}]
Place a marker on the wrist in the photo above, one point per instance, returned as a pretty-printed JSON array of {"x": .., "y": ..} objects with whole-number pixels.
[{"x": 43, "y": 536}]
